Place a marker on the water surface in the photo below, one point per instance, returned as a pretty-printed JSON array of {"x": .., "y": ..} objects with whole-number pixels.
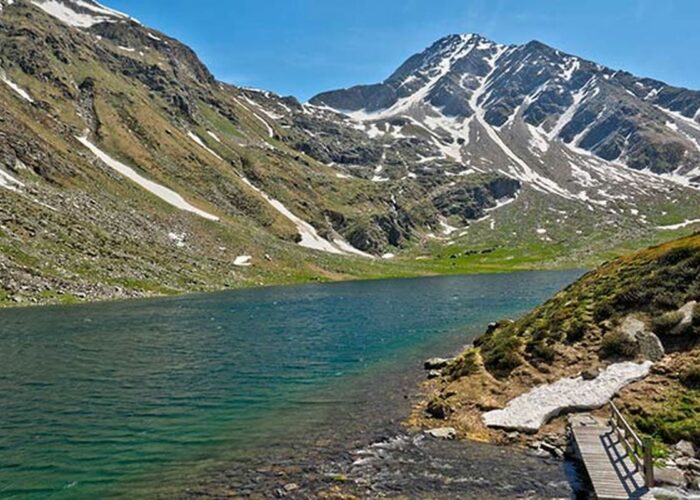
[{"x": 238, "y": 391}]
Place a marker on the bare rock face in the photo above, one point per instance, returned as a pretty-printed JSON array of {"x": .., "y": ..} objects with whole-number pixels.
[{"x": 528, "y": 412}]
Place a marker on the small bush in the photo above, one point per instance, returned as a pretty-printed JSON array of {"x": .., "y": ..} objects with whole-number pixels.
[
  {"x": 542, "y": 351},
  {"x": 663, "y": 324},
  {"x": 618, "y": 344},
  {"x": 603, "y": 311},
  {"x": 575, "y": 331},
  {"x": 690, "y": 377},
  {"x": 464, "y": 365},
  {"x": 501, "y": 352},
  {"x": 439, "y": 408}
]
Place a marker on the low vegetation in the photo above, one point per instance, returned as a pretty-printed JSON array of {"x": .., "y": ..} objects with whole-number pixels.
[{"x": 578, "y": 331}]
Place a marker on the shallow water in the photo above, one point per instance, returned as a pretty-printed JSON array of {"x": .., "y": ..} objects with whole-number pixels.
[{"x": 248, "y": 391}]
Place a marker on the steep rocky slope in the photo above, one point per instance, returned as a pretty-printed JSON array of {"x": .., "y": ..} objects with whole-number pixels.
[
  {"x": 642, "y": 307},
  {"x": 127, "y": 169}
]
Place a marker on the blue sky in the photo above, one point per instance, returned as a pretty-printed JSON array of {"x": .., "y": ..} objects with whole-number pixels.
[{"x": 302, "y": 47}]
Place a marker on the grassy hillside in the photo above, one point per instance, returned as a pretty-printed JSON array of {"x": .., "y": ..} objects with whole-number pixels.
[{"x": 579, "y": 330}]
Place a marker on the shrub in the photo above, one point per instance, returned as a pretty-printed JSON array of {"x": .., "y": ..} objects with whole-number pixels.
[
  {"x": 542, "y": 351},
  {"x": 696, "y": 315},
  {"x": 663, "y": 324},
  {"x": 439, "y": 408},
  {"x": 603, "y": 311},
  {"x": 618, "y": 344},
  {"x": 464, "y": 365},
  {"x": 690, "y": 377},
  {"x": 575, "y": 330},
  {"x": 501, "y": 352}
]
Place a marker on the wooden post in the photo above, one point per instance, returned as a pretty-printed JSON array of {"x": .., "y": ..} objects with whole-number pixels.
[{"x": 648, "y": 463}]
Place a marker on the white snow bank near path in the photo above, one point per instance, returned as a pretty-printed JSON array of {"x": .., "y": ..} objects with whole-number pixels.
[
  {"x": 533, "y": 409},
  {"x": 309, "y": 236},
  {"x": 18, "y": 90},
  {"x": 162, "y": 192}
]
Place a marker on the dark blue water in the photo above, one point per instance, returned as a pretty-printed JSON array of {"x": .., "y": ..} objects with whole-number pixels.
[{"x": 148, "y": 398}]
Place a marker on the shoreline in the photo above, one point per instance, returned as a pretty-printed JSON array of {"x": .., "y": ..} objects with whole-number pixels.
[{"x": 9, "y": 305}]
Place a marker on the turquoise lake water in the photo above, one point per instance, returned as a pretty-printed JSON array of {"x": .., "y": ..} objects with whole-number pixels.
[{"x": 163, "y": 397}]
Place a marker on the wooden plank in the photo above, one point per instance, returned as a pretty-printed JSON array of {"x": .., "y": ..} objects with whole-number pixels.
[{"x": 613, "y": 474}]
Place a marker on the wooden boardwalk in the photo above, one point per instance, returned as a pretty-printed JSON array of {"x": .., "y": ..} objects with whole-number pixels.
[{"x": 612, "y": 472}]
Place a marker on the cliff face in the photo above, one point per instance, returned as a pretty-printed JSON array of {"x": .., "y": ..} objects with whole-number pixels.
[{"x": 640, "y": 308}]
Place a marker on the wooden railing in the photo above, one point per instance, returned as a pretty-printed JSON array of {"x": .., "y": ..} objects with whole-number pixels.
[{"x": 639, "y": 450}]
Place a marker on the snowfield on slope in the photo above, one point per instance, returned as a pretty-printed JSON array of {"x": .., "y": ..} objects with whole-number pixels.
[
  {"x": 309, "y": 236},
  {"x": 162, "y": 192}
]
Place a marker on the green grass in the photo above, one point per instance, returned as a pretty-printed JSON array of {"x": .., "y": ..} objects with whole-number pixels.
[{"x": 678, "y": 419}]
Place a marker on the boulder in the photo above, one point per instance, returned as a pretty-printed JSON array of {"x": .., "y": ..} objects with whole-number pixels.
[
  {"x": 634, "y": 331},
  {"x": 685, "y": 448},
  {"x": 434, "y": 374},
  {"x": 631, "y": 327},
  {"x": 442, "y": 433},
  {"x": 669, "y": 476},
  {"x": 436, "y": 363},
  {"x": 650, "y": 346},
  {"x": 686, "y": 321}
]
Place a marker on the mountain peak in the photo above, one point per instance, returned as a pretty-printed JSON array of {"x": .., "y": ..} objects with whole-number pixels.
[{"x": 81, "y": 13}]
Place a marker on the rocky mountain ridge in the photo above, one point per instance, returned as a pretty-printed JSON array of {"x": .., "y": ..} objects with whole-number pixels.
[{"x": 127, "y": 169}]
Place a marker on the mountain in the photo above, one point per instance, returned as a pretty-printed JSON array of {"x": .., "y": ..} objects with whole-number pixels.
[{"x": 127, "y": 169}]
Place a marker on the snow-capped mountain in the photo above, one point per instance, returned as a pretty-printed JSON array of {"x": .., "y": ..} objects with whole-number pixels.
[
  {"x": 126, "y": 168},
  {"x": 556, "y": 122}
]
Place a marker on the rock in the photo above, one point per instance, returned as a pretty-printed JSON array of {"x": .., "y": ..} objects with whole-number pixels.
[
  {"x": 528, "y": 412},
  {"x": 442, "y": 433},
  {"x": 436, "y": 363},
  {"x": 685, "y": 448},
  {"x": 686, "y": 321},
  {"x": 669, "y": 476},
  {"x": 650, "y": 346},
  {"x": 434, "y": 374},
  {"x": 291, "y": 487},
  {"x": 590, "y": 374},
  {"x": 553, "y": 450},
  {"x": 631, "y": 327}
]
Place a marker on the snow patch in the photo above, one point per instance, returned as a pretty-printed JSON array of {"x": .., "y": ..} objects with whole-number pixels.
[
  {"x": 309, "y": 236},
  {"x": 9, "y": 182},
  {"x": 17, "y": 89},
  {"x": 533, "y": 409},
  {"x": 65, "y": 14},
  {"x": 680, "y": 225},
  {"x": 199, "y": 141},
  {"x": 243, "y": 261},
  {"x": 177, "y": 238},
  {"x": 162, "y": 192}
]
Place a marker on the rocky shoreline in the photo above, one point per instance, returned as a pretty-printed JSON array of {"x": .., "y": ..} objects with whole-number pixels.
[{"x": 532, "y": 413}]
